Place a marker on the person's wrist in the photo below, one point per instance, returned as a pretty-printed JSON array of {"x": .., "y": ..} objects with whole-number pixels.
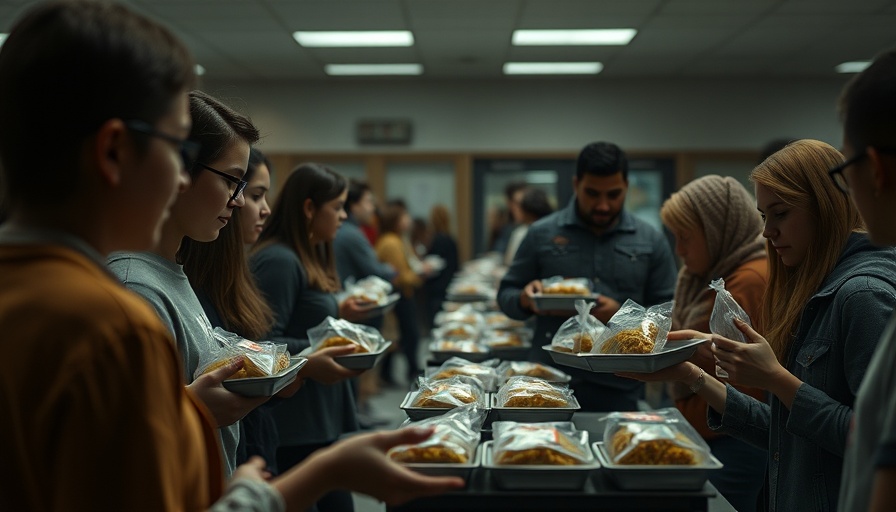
[{"x": 696, "y": 379}]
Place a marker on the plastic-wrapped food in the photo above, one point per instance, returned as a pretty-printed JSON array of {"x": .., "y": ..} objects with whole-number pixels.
[
  {"x": 465, "y": 314},
  {"x": 509, "y": 369},
  {"x": 498, "y": 320},
  {"x": 500, "y": 338},
  {"x": 524, "y": 391},
  {"x": 456, "y": 331},
  {"x": 661, "y": 437},
  {"x": 371, "y": 289},
  {"x": 555, "y": 444},
  {"x": 460, "y": 346},
  {"x": 558, "y": 285},
  {"x": 470, "y": 288},
  {"x": 260, "y": 359},
  {"x": 635, "y": 330},
  {"x": 721, "y": 321},
  {"x": 453, "y": 441},
  {"x": 334, "y": 332},
  {"x": 578, "y": 333},
  {"x": 448, "y": 393},
  {"x": 484, "y": 372}
]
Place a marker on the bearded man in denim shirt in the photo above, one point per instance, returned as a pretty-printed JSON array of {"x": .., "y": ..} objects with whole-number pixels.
[{"x": 595, "y": 238}]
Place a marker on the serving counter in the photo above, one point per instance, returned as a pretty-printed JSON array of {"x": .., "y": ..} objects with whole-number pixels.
[{"x": 598, "y": 493}]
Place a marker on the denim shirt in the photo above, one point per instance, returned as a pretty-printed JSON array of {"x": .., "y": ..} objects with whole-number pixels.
[
  {"x": 837, "y": 335},
  {"x": 355, "y": 256},
  {"x": 631, "y": 261}
]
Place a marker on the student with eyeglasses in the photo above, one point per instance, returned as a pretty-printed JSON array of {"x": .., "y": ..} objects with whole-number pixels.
[
  {"x": 830, "y": 294},
  {"x": 199, "y": 213},
  {"x": 868, "y": 175}
]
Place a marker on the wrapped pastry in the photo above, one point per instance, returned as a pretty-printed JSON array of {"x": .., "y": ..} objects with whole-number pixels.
[
  {"x": 500, "y": 338},
  {"x": 334, "y": 332},
  {"x": 371, "y": 289},
  {"x": 454, "y": 439},
  {"x": 509, "y": 369},
  {"x": 635, "y": 330},
  {"x": 554, "y": 444},
  {"x": 456, "y": 331},
  {"x": 660, "y": 437},
  {"x": 565, "y": 286},
  {"x": 533, "y": 392},
  {"x": 460, "y": 346},
  {"x": 484, "y": 372},
  {"x": 260, "y": 359},
  {"x": 465, "y": 314},
  {"x": 448, "y": 393},
  {"x": 578, "y": 333}
]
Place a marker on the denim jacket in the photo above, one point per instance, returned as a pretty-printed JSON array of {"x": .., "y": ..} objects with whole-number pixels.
[{"x": 837, "y": 334}]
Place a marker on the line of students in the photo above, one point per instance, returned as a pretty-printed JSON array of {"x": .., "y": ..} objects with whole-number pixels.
[
  {"x": 117, "y": 393},
  {"x": 125, "y": 177}
]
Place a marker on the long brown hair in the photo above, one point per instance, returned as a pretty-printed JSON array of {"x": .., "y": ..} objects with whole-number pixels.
[
  {"x": 440, "y": 219},
  {"x": 220, "y": 271},
  {"x": 797, "y": 174},
  {"x": 287, "y": 224}
]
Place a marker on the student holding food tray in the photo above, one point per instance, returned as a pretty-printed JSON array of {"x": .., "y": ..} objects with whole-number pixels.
[
  {"x": 617, "y": 256},
  {"x": 111, "y": 388},
  {"x": 829, "y": 296},
  {"x": 294, "y": 266}
]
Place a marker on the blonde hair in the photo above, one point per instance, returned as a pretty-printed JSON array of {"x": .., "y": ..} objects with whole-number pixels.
[
  {"x": 680, "y": 216},
  {"x": 798, "y": 175},
  {"x": 440, "y": 219}
]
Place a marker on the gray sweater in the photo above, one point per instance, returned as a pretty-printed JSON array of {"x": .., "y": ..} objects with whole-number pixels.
[
  {"x": 838, "y": 332},
  {"x": 165, "y": 286}
]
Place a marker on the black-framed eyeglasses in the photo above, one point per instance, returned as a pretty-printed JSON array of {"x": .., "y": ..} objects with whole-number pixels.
[
  {"x": 237, "y": 185},
  {"x": 189, "y": 149},
  {"x": 836, "y": 172}
]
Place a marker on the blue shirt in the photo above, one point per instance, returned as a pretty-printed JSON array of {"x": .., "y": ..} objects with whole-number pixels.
[
  {"x": 355, "y": 256},
  {"x": 630, "y": 261}
]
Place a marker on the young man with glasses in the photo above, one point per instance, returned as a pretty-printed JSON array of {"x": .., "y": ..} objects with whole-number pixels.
[
  {"x": 95, "y": 412},
  {"x": 868, "y": 175}
]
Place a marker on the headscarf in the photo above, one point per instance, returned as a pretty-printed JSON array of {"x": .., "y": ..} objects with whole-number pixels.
[{"x": 733, "y": 232}]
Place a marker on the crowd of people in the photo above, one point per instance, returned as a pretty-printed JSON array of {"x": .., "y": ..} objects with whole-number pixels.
[{"x": 149, "y": 226}]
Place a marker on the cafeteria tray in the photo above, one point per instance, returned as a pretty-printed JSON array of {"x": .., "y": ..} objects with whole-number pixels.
[
  {"x": 673, "y": 352},
  {"x": 267, "y": 386},
  {"x": 527, "y": 478},
  {"x": 533, "y": 414},
  {"x": 464, "y": 470},
  {"x": 440, "y": 356},
  {"x": 511, "y": 353},
  {"x": 362, "y": 361},
  {"x": 560, "y": 302},
  {"x": 656, "y": 477},
  {"x": 468, "y": 297},
  {"x": 421, "y": 413},
  {"x": 378, "y": 310}
]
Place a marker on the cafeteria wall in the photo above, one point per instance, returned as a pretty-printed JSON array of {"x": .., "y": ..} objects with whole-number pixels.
[{"x": 541, "y": 114}]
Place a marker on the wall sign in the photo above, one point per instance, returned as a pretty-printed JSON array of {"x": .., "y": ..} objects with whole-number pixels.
[{"x": 384, "y": 131}]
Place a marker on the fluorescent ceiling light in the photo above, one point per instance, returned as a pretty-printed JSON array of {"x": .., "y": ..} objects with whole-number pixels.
[
  {"x": 856, "y": 66},
  {"x": 552, "y": 68},
  {"x": 199, "y": 69},
  {"x": 373, "y": 69},
  {"x": 357, "y": 38},
  {"x": 611, "y": 36}
]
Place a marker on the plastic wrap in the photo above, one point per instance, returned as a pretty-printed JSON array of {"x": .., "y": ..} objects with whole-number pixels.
[
  {"x": 579, "y": 333},
  {"x": 661, "y": 437},
  {"x": 557, "y": 443},
  {"x": 635, "y": 330}
]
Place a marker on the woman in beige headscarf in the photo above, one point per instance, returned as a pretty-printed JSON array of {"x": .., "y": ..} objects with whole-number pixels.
[{"x": 718, "y": 234}]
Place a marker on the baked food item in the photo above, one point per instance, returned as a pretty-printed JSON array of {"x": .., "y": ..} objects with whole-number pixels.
[
  {"x": 545, "y": 455},
  {"x": 531, "y": 392},
  {"x": 652, "y": 452},
  {"x": 429, "y": 455},
  {"x": 338, "y": 341},
  {"x": 435, "y": 395},
  {"x": 282, "y": 362},
  {"x": 563, "y": 288},
  {"x": 582, "y": 340},
  {"x": 632, "y": 341}
]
